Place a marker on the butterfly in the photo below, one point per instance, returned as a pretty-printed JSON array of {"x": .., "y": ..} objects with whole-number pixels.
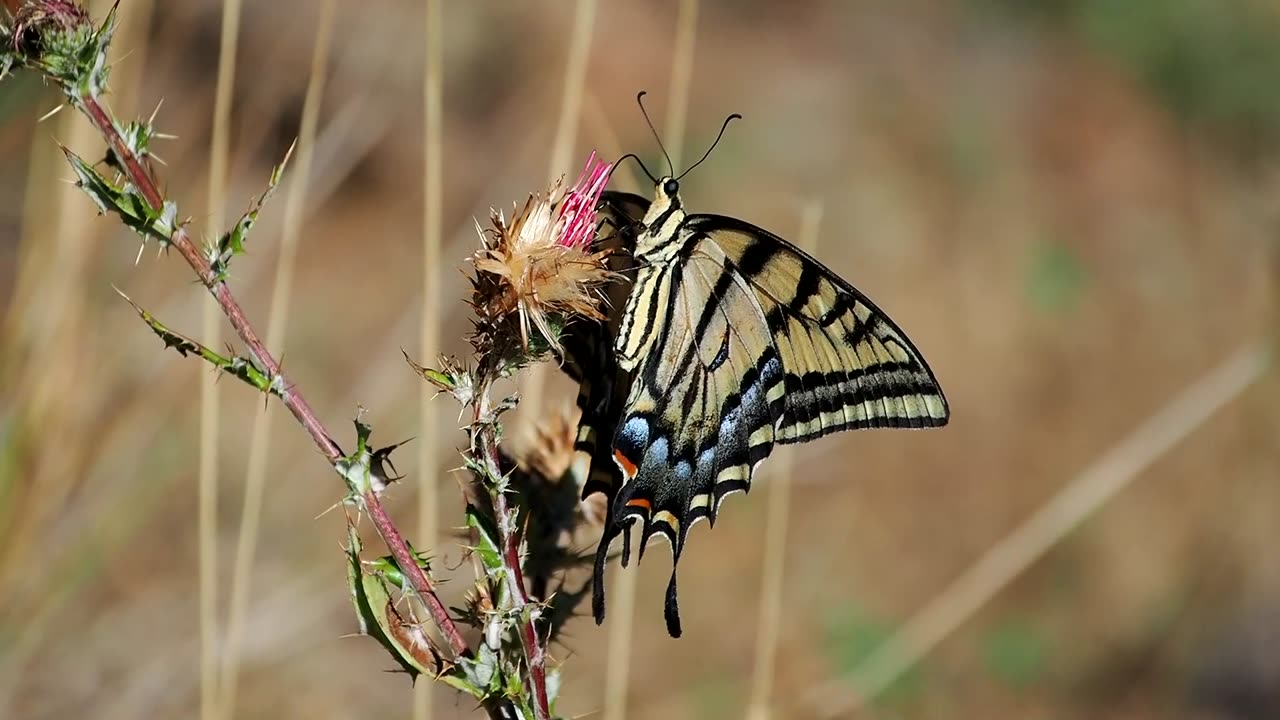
[{"x": 730, "y": 340}]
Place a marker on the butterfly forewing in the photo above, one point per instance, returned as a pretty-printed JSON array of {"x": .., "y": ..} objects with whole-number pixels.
[{"x": 847, "y": 364}]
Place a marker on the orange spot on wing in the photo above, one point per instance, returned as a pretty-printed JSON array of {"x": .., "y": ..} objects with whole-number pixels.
[
  {"x": 641, "y": 503},
  {"x": 628, "y": 467}
]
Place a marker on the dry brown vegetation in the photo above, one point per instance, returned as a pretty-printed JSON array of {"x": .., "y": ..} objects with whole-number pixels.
[{"x": 1070, "y": 236}]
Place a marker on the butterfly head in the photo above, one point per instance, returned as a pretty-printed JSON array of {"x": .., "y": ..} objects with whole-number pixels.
[{"x": 664, "y": 217}]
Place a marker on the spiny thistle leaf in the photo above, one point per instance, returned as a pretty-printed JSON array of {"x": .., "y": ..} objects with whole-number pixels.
[
  {"x": 377, "y": 616},
  {"x": 232, "y": 243},
  {"x": 365, "y": 469},
  {"x": 125, "y": 201},
  {"x": 355, "y": 468},
  {"x": 137, "y": 136},
  {"x": 485, "y": 539},
  {"x": 482, "y": 671},
  {"x": 454, "y": 377},
  {"x": 234, "y": 365},
  {"x": 93, "y": 81},
  {"x": 390, "y": 569},
  {"x": 359, "y": 600}
]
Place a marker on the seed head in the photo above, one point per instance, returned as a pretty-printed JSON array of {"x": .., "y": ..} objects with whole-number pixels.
[{"x": 538, "y": 268}]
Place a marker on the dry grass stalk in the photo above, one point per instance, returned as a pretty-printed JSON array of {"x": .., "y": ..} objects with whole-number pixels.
[
  {"x": 575, "y": 77},
  {"x": 768, "y": 628},
  {"x": 1098, "y": 483},
  {"x": 618, "y": 671},
  {"x": 277, "y": 326},
  {"x": 210, "y": 397},
  {"x": 432, "y": 242}
]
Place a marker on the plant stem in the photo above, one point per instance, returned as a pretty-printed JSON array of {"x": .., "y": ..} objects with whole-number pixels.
[
  {"x": 509, "y": 538},
  {"x": 297, "y": 405}
]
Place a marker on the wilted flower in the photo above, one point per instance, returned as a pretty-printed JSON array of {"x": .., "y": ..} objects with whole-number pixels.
[
  {"x": 36, "y": 18},
  {"x": 539, "y": 263}
]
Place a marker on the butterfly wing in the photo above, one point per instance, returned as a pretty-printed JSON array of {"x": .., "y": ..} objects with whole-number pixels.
[
  {"x": 757, "y": 344},
  {"x": 589, "y": 358},
  {"x": 847, "y": 364}
]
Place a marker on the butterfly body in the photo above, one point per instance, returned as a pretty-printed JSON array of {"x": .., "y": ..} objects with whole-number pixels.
[{"x": 731, "y": 340}]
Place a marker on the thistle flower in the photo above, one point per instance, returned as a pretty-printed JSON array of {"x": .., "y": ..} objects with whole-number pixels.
[
  {"x": 538, "y": 266},
  {"x": 35, "y": 19}
]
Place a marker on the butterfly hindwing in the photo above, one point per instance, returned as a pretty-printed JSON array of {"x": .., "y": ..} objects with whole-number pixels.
[
  {"x": 589, "y": 355},
  {"x": 702, "y": 405}
]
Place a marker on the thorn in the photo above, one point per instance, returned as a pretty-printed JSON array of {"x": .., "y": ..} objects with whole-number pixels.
[
  {"x": 51, "y": 113},
  {"x": 127, "y": 299},
  {"x": 328, "y": 510},
  {"x": 289, "y": 153},
  {"x": 155, "y": 112},
  {"x": 138, "y": 259}
]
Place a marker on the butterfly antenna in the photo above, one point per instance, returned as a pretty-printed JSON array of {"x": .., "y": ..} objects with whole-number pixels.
[
  {"x": 639, "y": 162},
  {"x": 707, "y": 154},
  {"x": 640, "y": 102}
]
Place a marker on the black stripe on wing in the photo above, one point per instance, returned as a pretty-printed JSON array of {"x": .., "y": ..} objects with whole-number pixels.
[
  {"x": 681, "y": 464},
  {"x": 878, "y": 388}
]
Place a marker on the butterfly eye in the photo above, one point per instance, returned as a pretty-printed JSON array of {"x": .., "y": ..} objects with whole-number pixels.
[{"x": 670, "y": 187}]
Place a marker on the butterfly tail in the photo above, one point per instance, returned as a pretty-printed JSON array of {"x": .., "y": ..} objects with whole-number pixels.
[
  {"x": 672, "y": 609},
  {"x": 597, "y": 573}
]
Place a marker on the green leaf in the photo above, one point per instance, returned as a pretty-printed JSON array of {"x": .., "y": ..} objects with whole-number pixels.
[
  {"x": 365, "y": 470},
  {"x": 482, "y": 671},
  {"x": 487, "y": 547},
  {"x": 377, "y": 617},
  {"x": 390, "y": 569},
  {"x": 355, "y": 575},
  {"x": 137, "y": 136},
  {"x": 125, "y": 201},
  {"x": 354, "y": 468},
  {"x": 236, "y": 366},
  {"x": 233, "y": 242}
]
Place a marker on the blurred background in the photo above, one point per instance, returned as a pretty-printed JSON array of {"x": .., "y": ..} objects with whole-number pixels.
[{"x": 1071, "y": 206}]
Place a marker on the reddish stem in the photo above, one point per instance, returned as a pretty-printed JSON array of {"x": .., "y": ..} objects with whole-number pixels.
[
  {"x": 535, "y": 655},
  {"x": 140, "y": 176}
]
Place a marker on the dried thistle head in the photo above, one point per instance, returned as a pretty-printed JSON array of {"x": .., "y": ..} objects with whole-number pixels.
[
  {"x": 537, "y": 269},
  {"x": 547, "y": 445},
  {"x": 548, "y": 451},
  {"x": 34, "y": 20}
]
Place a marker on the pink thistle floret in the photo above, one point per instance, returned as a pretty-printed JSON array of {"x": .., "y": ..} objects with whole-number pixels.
[
  {"x": 577, "y": 211},
  {"x": 540, "y": 263}
]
